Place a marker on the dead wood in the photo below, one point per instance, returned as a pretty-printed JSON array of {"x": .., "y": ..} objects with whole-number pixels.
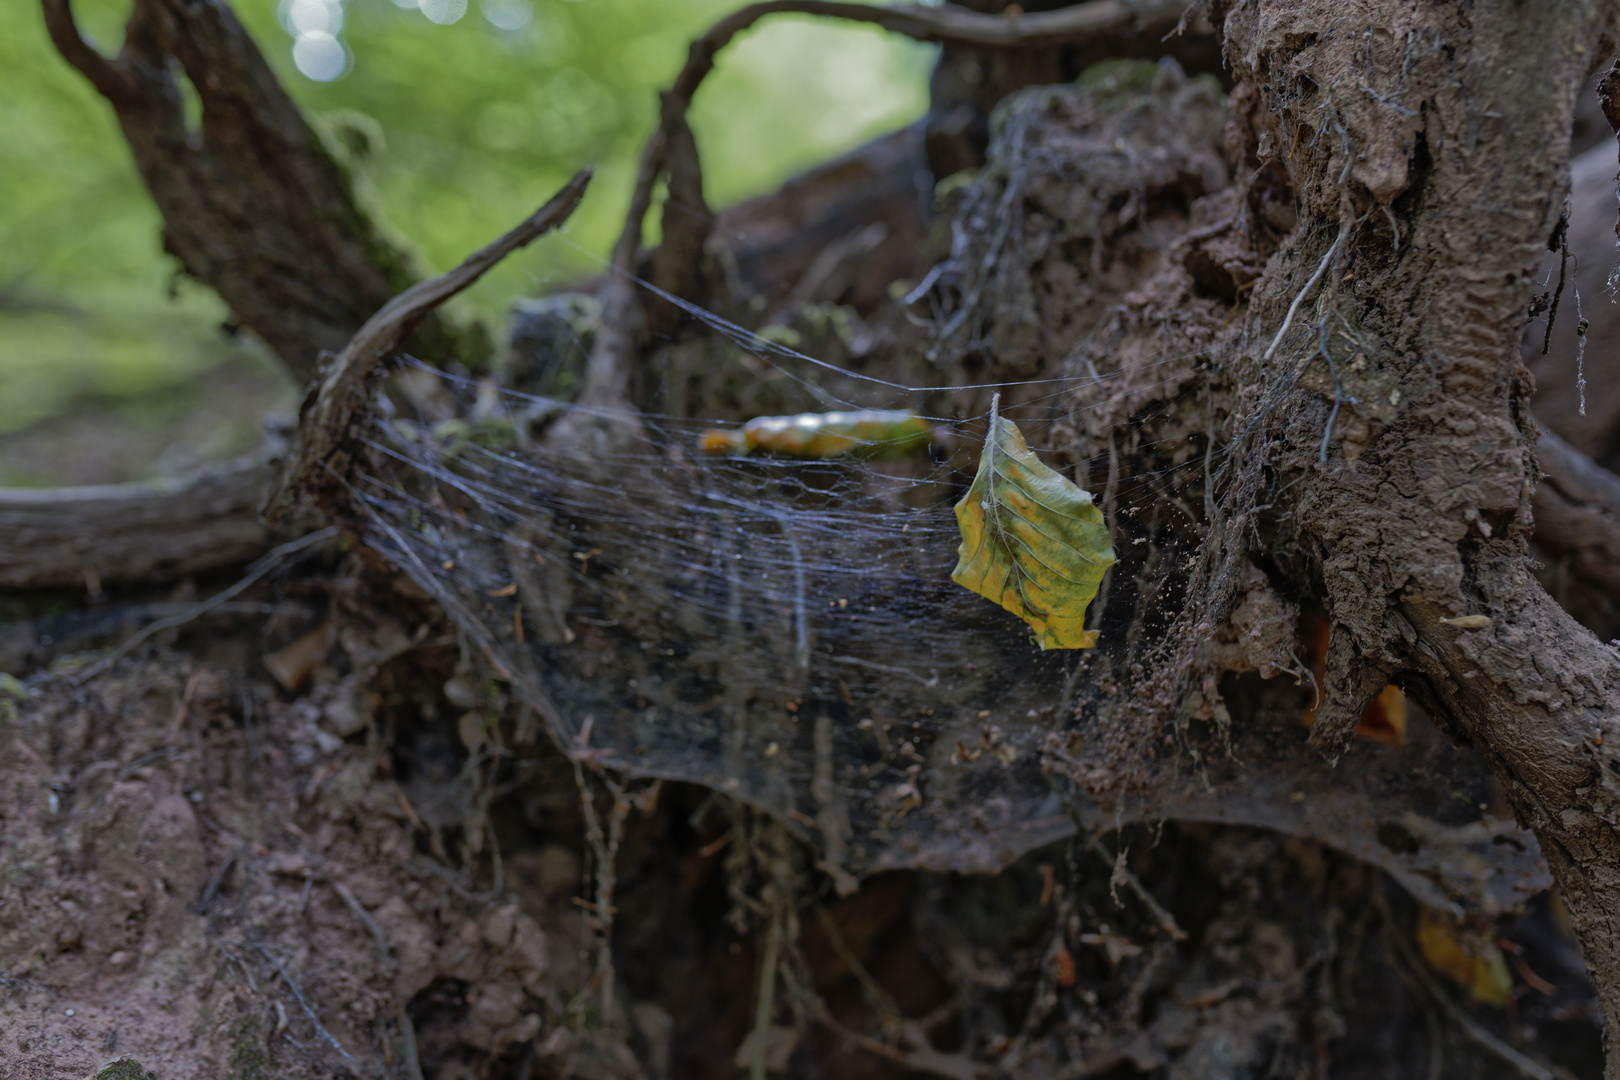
[
  {"x": 254, "y": 204},
  {"x": 153, "y": 532},
  {"x": 665, "y": 154},
  {"x": 1406, "y": 514}
]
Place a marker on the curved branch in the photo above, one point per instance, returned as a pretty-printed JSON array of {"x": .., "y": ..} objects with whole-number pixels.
[
  {"x": 1534, "y": 691},
  {"x": 940, "y": 25},
  {"x": 330, "y": 417},
  {"x": 111, "y": 80},
  {"x": 622, "y": 315}
]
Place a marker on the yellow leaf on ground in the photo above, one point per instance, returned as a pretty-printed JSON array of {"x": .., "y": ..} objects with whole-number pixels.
[
  {"x": 1032, "y": 540},
  {"x": 1469, "y": 955}
]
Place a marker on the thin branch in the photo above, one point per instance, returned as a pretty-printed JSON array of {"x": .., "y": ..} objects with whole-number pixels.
[
  {"x": 604, "y": 847},
  {"x": 303, "y": 1003},
  {"x": 407, "y": 1038},
  {"x": 112, "y": 80},
  {"x": 363, "y": 917},
  {"x": 1167, "y": 922},
  {"x": 765, "y": 1000},
  {"x": 940, "y": 25},
  {"x": 1470, "y": 1027},
  {"x": 610, "y": 361},
  {"x": 345, "y": 395},
  {"x": 1338, "y": 392}
]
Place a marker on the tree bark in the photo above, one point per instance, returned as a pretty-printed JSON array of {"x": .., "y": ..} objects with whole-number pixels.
[
  {"x": 1464, "y": 151},
  {"x": 133, "y": 532},
  {"x": 254, "y": 205}
]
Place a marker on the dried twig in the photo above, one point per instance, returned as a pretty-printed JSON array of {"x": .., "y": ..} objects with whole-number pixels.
[
  {"x": 1472, "y": 1028},
  {"x": 765, "y": 1000},
  {"x": 363, "y": 917},
  {"x": 344, "y": 398},
  {"x": 1167, "y": 922},
  {"x": 881, "y": 1001},
  {"x": 303, "y": 1003},
  {"x": 604, "y": 846},
  {"x": 407, "y": 1038},
  {"x": 1321, "y": 268}
]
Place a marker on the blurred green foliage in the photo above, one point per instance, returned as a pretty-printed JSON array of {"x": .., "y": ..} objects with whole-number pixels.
[{"x": 460, "y": 116}]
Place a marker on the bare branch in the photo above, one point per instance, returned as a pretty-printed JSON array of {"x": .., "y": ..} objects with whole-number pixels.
[
  {"x": 344, "y": 396},
  {"x": 111, "y": 80},
  {"x": 622, "y": 313}
]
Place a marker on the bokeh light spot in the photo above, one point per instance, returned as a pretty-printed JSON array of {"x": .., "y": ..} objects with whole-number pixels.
[
  {"x": 507, "y": 14},
  {"x": 320, "y": 56},
  {"x": 312, "y": 16},
  {"x": 444, "y": 12}
]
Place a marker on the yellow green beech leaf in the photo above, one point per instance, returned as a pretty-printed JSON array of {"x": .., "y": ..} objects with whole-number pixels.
[{"x": 1032, "y": 540}]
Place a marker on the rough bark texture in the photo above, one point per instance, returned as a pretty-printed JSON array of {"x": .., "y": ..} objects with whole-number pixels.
[
  {"x": 254, "y": 204},
  {"x": 1456, "y": 121},
  {"x": 133, "y": 532}
]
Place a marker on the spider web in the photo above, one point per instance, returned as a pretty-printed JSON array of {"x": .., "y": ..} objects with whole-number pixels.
[
  {"x": 787, "y": 631},
  {"x": 783, "y": 630}
]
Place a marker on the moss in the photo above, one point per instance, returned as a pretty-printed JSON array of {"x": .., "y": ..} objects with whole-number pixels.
[
  {"x": 11, "y": 692},
  {"x": 125, "y": 1068},
  {"x": 1118, "y": 76},
  {"x": 825, "y": 321},
  {"x": 778, "y": 334},
  {"x": 489, "y": 432},
  {"x": 248, "y": 1061}
]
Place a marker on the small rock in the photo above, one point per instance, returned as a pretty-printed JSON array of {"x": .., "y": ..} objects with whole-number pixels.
[{"x": 497, "y": 926}]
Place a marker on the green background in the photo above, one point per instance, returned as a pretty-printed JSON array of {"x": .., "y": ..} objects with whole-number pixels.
[{"x": 478, "y": 125}]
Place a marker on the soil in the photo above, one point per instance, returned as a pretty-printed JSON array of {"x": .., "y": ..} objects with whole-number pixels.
[{"x": 214, "y": 873}]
